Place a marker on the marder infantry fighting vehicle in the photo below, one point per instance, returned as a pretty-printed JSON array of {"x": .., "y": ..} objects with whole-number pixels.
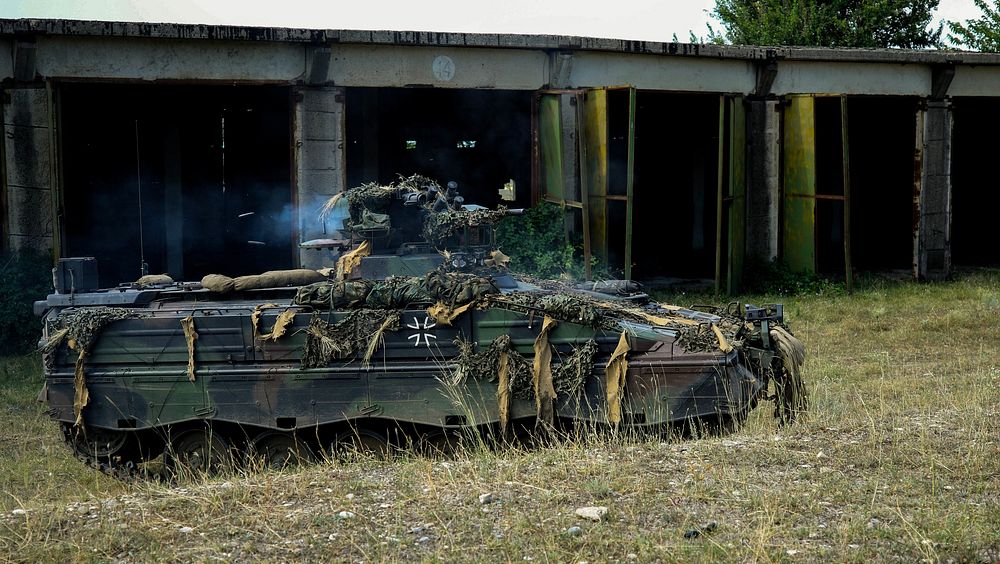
[{"x": 417, "y": 335}]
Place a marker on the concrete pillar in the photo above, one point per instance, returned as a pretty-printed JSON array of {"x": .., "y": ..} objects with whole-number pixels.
[
  {"x": 319, "y": 163},
  {"x": 763, "y": 179},
  {"x": 932, "y": 192},
  {"x": 28, "y": 171}
]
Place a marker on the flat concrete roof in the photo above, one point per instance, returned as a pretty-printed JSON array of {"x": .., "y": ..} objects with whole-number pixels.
[{"x": 30, "y": 27}]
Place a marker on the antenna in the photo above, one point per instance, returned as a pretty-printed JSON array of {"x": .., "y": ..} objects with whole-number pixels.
[{"x": 143, "y": 267}]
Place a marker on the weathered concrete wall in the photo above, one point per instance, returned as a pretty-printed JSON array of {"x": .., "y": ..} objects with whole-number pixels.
[
  {"x": 975, "y": 81},
  {"x": 763, "y": 179},
  {"x": 800, "y": 77},
  {"x": 6, "y": 59},
  {"x": 158, "y": 59},
  {"x": 932, "y": 240},
  {"x": 319, "y": 163},
  {"x": 440, "y": 67},
  {"x": 662, "y": 73},
  {"x": 28, "y": 169},
  {"x": 471, "y": 61}
]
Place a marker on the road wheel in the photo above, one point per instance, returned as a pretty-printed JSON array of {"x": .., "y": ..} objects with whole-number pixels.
[
  {"x": 281, "y": 450},
  {"x": 198, "y": 451},
  {"x": 99, "y": 444},
  {"x": 357, "y": 443}
]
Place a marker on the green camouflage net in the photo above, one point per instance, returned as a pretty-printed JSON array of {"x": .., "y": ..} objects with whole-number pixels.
[
  {"x": 452, "y": 289},
  {"x": 568, "y": 377},
  {"x": 82, "y": 327},
  {"x": 441, "y": 226},
  {"x": 334, "y": 294},
  {"x": 368, "y": 206},
  {"x": 572, "y": 307},
  {"x": 373, "y": 200},
  {"x": 326, "y": 342}
]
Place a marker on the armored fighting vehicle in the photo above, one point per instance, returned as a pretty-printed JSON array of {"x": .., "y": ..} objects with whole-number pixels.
[{"x": 415, "y": 337}]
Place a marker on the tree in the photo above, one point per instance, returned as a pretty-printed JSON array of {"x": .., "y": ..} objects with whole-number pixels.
[
  {"x": 981, "y": 34},
  {"x": 829, "y": 23}
]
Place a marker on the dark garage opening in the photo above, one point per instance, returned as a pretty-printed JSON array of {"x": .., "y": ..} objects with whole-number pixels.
[
  {"x": 478, "y": 138},
  {"x": 213, "y": 168},
  {"x": 881, "y": 140},
  {"x": 676, "y": 184},
  {"x": 974, "y": 198}
]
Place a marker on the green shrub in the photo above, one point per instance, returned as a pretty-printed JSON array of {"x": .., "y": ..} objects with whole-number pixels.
[
  {"x": 25, "y": 276},
  {"x": 777, "y": 278},
  {"x": 537, "y": 244}
]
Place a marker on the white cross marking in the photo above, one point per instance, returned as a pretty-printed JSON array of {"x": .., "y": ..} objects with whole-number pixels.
[{"x": 421, "y": 335}]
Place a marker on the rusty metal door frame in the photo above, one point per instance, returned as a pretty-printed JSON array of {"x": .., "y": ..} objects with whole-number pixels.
[
  {"x": 54, "y": 103},
  {"x": 730, "y": 245},
  {"x": 592, "y": 170},
  {"x": 539, "y": 186},
  {"x": 845, "y": 162},
  {"x": 799, "y": 180}
]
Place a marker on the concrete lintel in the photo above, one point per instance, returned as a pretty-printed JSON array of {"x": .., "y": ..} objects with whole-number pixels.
[
  {"x": 249, "y": 34},
  {"x": 797, "y": 77},
  {"x": 975, "y": 81},
  {"x": 592, "y": 69},
  {"x": 152, "y": 59},
  {"x": 440, "y": 67}
]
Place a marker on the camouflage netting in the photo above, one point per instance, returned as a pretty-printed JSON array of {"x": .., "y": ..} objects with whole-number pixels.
[
  {"x": 450, "y": 288},
  {"x": 358, "y": 330},
  {"x": 374, "y": 198},
  {"x": 82, "y": 327},
  {"x": 572, "y": 372},
  {"x": 80, "y": 331},
  {"x": 334, "y": 294},
  {"x": 568, "y": 376},
  {"x": 439, "y": 227},
  {"x": 369, "y": 203},
  {"x": 571, "y": 307}
]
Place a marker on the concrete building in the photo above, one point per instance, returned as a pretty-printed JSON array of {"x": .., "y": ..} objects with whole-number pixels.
[{"x": 131, "y": 141}]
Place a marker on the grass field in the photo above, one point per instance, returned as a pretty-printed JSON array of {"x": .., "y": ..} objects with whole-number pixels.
[{"x": 898, "y": 460}]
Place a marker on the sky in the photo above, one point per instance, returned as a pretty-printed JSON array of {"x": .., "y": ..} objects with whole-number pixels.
[{"x": 651, "y": 20}]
